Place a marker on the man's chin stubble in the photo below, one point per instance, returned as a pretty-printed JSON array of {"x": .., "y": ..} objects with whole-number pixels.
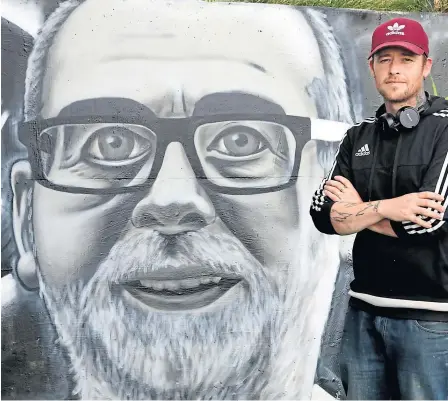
[{"x": 404, "y": 97}]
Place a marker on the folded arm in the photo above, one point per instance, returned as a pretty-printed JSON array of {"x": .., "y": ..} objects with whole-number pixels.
[
  {"x": 346, "y": 217},
  {"x": 349, "y": 218},
  {"x": 337, "y": 207},
  {"x": 418, "y": 208},
  {"x": 436, "y": 181},
  {"x": 340, "y": 189}
]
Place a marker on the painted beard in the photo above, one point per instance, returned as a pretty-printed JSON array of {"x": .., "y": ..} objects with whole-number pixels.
[{"x": 120, "y": 348}]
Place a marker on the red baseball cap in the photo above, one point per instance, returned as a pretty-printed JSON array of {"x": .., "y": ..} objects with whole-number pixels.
[{"x": 400, "y": 32}]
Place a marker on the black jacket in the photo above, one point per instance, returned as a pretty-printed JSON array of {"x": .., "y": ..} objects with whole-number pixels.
[{"x": 383, "y": 165}]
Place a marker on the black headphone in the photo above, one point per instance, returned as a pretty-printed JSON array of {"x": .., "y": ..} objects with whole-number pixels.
[{"x": 407, "y": 117}]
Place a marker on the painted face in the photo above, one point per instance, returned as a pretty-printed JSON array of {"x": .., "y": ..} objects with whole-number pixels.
[
  {"x": 173, "y": 249},
  {"x": 399, "y": 73}
]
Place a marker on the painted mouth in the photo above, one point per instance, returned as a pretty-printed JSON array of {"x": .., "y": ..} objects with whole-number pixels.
[{"x": 172, "y": 294}]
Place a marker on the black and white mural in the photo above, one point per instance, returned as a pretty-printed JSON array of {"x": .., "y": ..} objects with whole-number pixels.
[{"x": 158, "y": 163}]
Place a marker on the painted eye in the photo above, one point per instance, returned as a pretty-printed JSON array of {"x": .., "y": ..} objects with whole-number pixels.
[
  {"x": 119, "y": 143},
  {"x": 239, "y": 141}
]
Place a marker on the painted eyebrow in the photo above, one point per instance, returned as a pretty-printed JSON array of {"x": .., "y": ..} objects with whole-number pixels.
[
  {"x": 236, "y": 102},
  {"x": 214, "y": 103},
  {"x": 105, "y": 106}
]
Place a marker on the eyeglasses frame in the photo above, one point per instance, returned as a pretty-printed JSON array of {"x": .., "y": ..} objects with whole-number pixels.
[{"x": 173, "y": 130}]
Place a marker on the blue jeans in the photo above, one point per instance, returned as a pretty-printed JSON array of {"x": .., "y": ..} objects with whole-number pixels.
[{"x": 384, "y": 358}]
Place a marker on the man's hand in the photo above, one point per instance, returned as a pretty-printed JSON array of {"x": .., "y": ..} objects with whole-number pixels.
[
  {"x": 412, "y": 207},
  {"x": 341, "y": 190}
]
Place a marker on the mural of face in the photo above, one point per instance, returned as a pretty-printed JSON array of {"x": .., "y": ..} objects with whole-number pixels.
[{"x": 164, "y": 226}]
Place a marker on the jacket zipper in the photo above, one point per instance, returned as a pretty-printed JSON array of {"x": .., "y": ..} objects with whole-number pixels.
[
  {"x": 372, "y": 169},
  {"x": 395, "y": 168}
]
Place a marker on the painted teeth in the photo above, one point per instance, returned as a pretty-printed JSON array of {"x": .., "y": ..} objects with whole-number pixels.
[{"x": 173, "y": 285}]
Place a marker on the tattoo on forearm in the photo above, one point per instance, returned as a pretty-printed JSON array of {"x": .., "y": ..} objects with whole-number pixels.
[
  {"x": 340, "y": 216},
  {"x": 363, "y": 211},
  {"x": 370, "y": 205},
  {"x": 376, "y": 206}
]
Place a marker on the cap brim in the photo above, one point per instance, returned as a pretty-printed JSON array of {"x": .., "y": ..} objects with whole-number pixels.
[{"x": 405, "y": 45}]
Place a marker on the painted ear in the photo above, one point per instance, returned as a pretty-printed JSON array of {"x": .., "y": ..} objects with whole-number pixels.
[{"x": 21, "y": 182}]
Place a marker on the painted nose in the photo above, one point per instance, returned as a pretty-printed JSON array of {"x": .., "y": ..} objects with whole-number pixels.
[{"x": 176, "y": 202}]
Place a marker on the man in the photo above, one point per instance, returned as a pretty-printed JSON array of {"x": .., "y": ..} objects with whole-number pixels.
[
  {"x": 162, "y": 143},
  {"x": 389, "y": 185}
]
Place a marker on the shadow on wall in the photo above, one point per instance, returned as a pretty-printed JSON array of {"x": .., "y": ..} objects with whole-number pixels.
[{"x": 16, "y": 47}]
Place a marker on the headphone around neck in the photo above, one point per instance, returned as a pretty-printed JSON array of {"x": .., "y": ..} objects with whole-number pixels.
[{"x": 407, "y": 117}]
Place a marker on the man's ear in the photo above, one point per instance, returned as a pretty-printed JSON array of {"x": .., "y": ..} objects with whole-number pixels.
[
  {"x": 427, "y": 68},
  {"x": 371, "y": 62},
  {"x": 22, "y": 219}
]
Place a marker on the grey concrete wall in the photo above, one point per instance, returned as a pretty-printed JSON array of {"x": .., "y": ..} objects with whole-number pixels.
[{"x": 156, "y": 237}]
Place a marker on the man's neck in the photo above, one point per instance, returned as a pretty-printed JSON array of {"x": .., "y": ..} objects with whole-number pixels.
[{"x": 415, "y": 101}]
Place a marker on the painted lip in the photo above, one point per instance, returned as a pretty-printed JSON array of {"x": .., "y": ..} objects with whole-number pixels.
[{"x": 180, "y": 289}]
